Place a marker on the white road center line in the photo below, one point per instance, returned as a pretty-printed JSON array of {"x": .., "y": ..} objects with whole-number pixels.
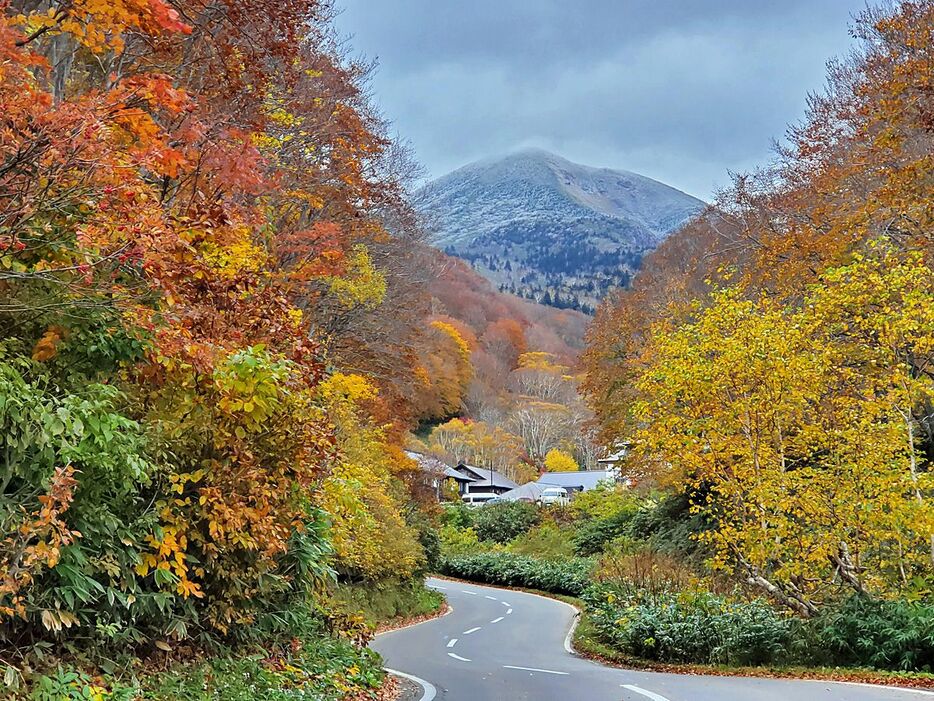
[
  {"x": 508, "y": 612},
  {"x": 472, "y": 630},
  {"x": 472, "y": 593},
  {"x": 644, "y": 692},
  {"x": 545, "y": 671},
  {"x": 497, "y": 620},
  {"x": 504, "y": 603},
  {"x": 491, "y": 598},
  {"x": 458, "y": 657},
  {"x": 452, "y": 642}
]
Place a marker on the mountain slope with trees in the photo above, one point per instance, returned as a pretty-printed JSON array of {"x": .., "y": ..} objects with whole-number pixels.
[{"x": 547, "y": 229}]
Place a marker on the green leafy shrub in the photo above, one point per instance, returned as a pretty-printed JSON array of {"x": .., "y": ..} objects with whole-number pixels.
[
  {"x": 458, "y": 515},
  {"x": 459, "y": 541},
  {"x": 688, "y": 627},
  {"x": 569, "y": 576},
  {"x": 668, "y": 524},
  {"x": 313, "y": 669},
  {"x": 605, "y": 501},
  {"x": 501, "y": 523},
  {"x": 76, "y": 556},
  {"x": 71, "y": 685},
  {"x": 385, "y": 601},
  {"x": 592, "y": 536},
  {"x": 896, "y": 635},
  {"x": 546, "y": 540}
]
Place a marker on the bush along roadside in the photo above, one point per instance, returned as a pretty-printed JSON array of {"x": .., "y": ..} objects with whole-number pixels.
[
  {"x": 387, "y": 603},
  {"x": 570, "y": 577},
  {"x": 696, "y": 627}
]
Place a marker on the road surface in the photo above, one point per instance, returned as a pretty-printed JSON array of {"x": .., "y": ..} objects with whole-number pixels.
[{"x": 501, "y": 645}]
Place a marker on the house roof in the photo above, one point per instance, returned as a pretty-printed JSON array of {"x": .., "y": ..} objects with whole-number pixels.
[
  {"x": 437, "y": 467},
  {"x": 481, "y": 477},
  {"x": 530, "y": 491},
  {"x": 578, "y": 479}
]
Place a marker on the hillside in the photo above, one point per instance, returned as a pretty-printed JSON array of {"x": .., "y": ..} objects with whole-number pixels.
[
  {"x": 547, "y": 229},
  {"x": 462, "y": 294}
]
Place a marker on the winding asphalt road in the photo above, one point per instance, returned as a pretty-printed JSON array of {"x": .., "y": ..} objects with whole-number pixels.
[{"x": 502, "y": 645}]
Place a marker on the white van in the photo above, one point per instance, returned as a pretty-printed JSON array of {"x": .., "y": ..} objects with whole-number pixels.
[
  {"x": 477, "y": 499},
  {"x": 554, "y": 496}
]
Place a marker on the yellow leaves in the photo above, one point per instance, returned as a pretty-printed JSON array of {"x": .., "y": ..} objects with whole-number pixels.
[
  {"x": 798, "y": 418},
  {"x": 147, "y": 563},
  {"x": 233, "y": 254},
  {"x": 539, "y": 360},
  {"x": 47, "y": 553},
  {"x": 559, "y": 461},
  {"x": 296, "y": 316},
  {"x": 347, "y": 387},
  {"x": 187, "y": 588},
  {"x": 100, "y": 25},
  {"x": 462, "y": 347},
  {"x": 361, "y": 285}
]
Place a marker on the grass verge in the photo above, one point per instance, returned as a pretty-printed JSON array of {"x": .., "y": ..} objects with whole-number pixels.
[{"x": 389, "y": 604}]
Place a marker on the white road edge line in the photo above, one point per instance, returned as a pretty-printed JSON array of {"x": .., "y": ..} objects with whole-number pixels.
[
  {"x": 458, "y": 657},
  {"x": 508, "y": 612},
  {"x": 472, "y": 630},
  {"x": 491, "y": 598},
  {"x": 644, "y": 692},
  {"x": 535, "y": 669},
  {"x": 886, "y": 687},
  {"x": 435, "y": 586},
  {"x": 430, "y": 691},
  {"x": 452, "y": 642},
  {"x": 570, "y": 636},
  {"x": 497, "y": 620}
]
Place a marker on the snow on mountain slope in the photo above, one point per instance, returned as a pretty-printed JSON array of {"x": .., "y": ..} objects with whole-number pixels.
[{"x": 540, "y": 226}]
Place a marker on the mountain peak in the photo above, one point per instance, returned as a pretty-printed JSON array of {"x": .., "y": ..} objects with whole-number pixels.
[{"x": 558, "y": 225}]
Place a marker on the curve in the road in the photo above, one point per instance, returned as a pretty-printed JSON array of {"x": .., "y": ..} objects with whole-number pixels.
[{"x": 504, "y": 645}]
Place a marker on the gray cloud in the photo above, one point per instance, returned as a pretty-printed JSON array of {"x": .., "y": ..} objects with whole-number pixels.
[{"x": 677, "y": 90}]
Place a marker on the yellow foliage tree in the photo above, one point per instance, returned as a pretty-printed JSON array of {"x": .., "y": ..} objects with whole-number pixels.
[
  {"x": 370, "y": 537},
  {"x": 556, "y": 460},
  {"x": 799, "y": 420}
]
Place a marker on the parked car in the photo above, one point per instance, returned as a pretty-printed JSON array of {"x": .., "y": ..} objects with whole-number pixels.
[
  {"x": 554, "y": 496},
  {"x": 477, "y": 499}
]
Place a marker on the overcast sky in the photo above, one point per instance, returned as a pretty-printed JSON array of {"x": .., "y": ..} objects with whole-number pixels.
[{"x": 679, "y": 90}]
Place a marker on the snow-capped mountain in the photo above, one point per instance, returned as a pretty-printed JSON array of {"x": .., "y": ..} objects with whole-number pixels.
[{"x": 541, "y": 226}]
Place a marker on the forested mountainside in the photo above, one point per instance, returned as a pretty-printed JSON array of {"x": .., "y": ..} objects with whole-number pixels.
[{"x": 544, "y": 228}]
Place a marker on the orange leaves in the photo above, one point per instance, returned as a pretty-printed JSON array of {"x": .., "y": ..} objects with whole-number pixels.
[
  {"x": 100, "y": 25},
  {"x": 37, "y": 543},
  {"x": 46, "y": 347}
]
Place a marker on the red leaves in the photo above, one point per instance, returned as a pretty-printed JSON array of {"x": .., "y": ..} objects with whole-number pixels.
[{"x": 168, "y": 18}]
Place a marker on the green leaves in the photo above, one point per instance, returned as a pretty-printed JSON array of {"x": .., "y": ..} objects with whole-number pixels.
[{"x": 570, "y": 576}]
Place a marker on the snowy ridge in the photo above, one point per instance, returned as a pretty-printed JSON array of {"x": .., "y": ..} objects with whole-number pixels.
[{"x": 535, "y": 223}]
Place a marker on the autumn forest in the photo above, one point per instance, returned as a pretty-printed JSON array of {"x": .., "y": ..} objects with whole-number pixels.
[{"x": 224, "y": 332}]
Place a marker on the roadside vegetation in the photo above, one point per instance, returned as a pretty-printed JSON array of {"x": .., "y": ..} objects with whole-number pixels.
[
  {"x": 636, "y": 562},
  {"x": 211, "y": 284}
]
